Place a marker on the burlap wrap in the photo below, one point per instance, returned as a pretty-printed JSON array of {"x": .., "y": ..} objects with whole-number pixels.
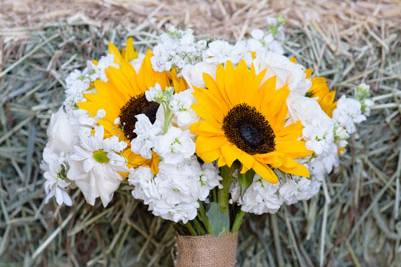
[{"x": 206, "y": 251}]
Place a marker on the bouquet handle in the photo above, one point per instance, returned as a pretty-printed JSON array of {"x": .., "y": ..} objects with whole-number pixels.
[{"x": 206, "y": 251}]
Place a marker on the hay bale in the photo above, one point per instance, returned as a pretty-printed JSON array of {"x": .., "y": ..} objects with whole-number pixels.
[{"x": 354, "y": 221}]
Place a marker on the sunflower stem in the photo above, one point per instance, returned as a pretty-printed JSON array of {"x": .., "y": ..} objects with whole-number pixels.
[
  {"x": 223, "y": 194},
  {"x": 238, "y": 221}
]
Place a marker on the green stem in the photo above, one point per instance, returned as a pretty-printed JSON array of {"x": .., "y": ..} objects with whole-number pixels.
[
  {"x": 238, "y": 221},
  {"x": 168, "y": 116},
  {"x": 190, "y": 229},
  {"x": 223, "y": 194},
  {"x": 199, "y": 228}
]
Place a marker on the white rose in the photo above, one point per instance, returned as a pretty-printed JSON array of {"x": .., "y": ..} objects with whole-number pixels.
[
  {"x": 193, "y": 74},
  {"x": 61, "y": 132},
  {"x": 286, "y": 71}
]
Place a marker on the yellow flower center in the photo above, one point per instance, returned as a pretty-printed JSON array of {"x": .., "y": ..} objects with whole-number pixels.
[
  {"x": 100, "y": 156},
  {"x": 249, "y": 130},
  {"x": 136, "y": 105}
]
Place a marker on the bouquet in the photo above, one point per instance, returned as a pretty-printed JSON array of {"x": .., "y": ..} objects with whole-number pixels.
[{"x": 202, "y": 131}]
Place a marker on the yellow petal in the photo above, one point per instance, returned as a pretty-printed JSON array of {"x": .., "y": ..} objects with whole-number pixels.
[
  {"x": 130, "y": 52},
  {"x": 265, "y": 172}
]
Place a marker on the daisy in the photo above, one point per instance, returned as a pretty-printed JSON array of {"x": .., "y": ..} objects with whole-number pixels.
[
  {"x": 54, "y": 173},
  {"x": 96, "y": 166},
  {"x": 244, "y": 119}
]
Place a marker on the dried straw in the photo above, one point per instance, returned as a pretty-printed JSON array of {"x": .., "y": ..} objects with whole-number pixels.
[{"x": 354, "y": 222}]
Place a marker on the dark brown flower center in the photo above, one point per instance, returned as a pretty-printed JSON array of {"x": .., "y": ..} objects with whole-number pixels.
[
  {"x": 249, "y": 130},
  {"x": 136, "y": 105}
]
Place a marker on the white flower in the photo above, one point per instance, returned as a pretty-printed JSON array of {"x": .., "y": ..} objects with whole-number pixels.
[
  {"x": 175, "y": 145},
  {"x": 275, "y": 27},
  {"x": 55, "y": 184},
  {"x": 82, "y": 122},
  {"x": 95, "y": 165},
  {"x": 144, "y": 185},
  {"x": 154, "y": 93},
  {"x": 177, "y": 182},
  {"x": 145, "y": 138},
  {"x": 348, "y": 113},
  {"x": 362, "y": 94},
  {"x": 62, "y": 132},
  {"x": 175, "y": 191},
  {"x": 218, "y": 52},
  {"x": 181, "y": 106},
  {"x": 77, "y": 83},
  {"x": 182, "y": 212},
  {"x": 340, "y": 135},
  {"x": 263, "y": 42},
  {"x": 324, "y": 163},
  {"x": 318, "y": 127},
  {"x": 193, "y": 74},
  {"x": 97, "y": 71},
  {"x": 318, "y": 135},
  {"x": 261, "y": 197},
  {"x": 176, "y": 48},
  {"x": 157, "y": 94},
  {"x": 257, "y": 34},
  {"x": 208, "y": 179},
  {"x": 297, "y": 189},
  {"x": 286, "y": 71}
]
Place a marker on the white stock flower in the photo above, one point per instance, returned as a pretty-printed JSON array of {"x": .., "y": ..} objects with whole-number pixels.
[
  {"x": 154, "y": 93},
  {"x": 318, "y": 127},
  {"x": 97, "y": 71},
  {"x": 324, "y": 163},
  {"x": 209, "y": 178},
  {"x": 95, "y": 166},
  {"x": 176, "y": 48},
  {"x": 348, "y": 113},
  {"x": 55, "y": 184},
  {"x": 362, "y": 94},
  {"x": 175, "y": 145},
  {"x": 144, "y": 185},
  {"x": 181, "y": 106},
  {"x": 159, "y": 95},
  {"x": 146, "y": 133},
  {"x": 340, "y": 135},
  {"x": 262, "y": 42},
  {"x": 298, "y": 189},
  {"x": 77, "y": 82},
  {"x": 174, "y": 192},
  {"x": 218, "y": 51},
  {"x": 261, "y": 197}
]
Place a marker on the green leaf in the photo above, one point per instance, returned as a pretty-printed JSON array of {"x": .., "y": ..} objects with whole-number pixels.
[
  {"x": 245, "y": 180},
  {"x": 219, "y": 219}
]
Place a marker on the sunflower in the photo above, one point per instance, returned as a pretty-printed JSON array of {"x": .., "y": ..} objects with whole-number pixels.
[
  {"x": 325, "y": 97},
  {"x": 244, "y": 119},
  {"x": 122, "y": 97}
]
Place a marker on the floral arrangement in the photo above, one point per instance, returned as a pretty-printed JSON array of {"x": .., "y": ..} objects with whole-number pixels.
[{"x": 202, "y": 131}]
